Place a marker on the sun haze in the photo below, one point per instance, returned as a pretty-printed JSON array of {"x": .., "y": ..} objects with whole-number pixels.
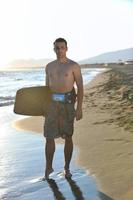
[{"x": 29, "y": 27}]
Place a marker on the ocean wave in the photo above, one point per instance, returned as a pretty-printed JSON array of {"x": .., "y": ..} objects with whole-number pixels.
[
  {"x": 6, "y": 103},
  {"x": 18, "y": 79},
  {"x": 6, "y": 100}
]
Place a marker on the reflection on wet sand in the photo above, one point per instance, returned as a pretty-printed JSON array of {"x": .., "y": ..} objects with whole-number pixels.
[
  {"x": 55, "y": 189},
  {"x": 75, "y": 189},
  {"x": 78, "y": 194}
]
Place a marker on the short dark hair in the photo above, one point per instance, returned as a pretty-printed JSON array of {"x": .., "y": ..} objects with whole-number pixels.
[{"x": 60, "y": 40}]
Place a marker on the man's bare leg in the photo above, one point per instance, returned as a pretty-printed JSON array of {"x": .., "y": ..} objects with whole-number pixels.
[
  {"x": 68, "y": 150},
  {"x": 49, "y": 153}
]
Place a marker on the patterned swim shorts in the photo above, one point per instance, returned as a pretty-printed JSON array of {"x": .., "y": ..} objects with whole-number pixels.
[{"x": 59, "y": 120}]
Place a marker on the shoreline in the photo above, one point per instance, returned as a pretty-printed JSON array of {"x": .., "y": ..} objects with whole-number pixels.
[{"x": 103, "y": 136}]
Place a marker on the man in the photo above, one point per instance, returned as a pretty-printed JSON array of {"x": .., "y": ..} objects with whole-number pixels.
[{"x": 61, "y": 75}]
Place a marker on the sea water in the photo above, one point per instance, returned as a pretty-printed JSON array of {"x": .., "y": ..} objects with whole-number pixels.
[{"x": 11, "y": 81}]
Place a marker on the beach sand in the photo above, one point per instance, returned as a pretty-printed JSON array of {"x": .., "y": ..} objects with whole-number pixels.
[{"x": 104, "y": 135}]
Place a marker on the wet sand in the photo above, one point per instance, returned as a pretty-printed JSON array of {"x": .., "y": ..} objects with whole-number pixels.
[
  {"x": 22, "y": 166},
  {"x": 104, "y": 135}
]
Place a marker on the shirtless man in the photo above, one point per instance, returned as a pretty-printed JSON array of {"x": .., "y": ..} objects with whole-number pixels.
[{"x": 61, "y": 75}]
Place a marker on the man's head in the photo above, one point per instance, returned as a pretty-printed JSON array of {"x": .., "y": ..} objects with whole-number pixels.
[
  {"x": 60, "y": 47},
  {"x": 60, "y": 40}
]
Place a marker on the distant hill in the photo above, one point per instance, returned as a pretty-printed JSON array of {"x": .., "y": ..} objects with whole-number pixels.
[
  {"x": 110, "y": 57},
  {"x": 31, "y": 63}
]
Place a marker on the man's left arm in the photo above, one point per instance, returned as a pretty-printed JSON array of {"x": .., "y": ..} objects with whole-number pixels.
[{"x": 79, "y": 82}]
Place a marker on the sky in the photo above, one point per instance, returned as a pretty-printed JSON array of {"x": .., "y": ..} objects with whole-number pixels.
[{"x": 28, "y": 28}]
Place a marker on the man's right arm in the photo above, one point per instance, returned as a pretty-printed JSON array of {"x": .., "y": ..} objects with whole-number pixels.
[{"x": 47, "y": 78}]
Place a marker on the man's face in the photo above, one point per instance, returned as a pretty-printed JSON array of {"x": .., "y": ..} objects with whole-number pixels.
[{"x": 60, "y": 49}]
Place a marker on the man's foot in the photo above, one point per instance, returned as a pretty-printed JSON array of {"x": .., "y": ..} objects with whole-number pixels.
[
  {"x": 47, "y": 173},
  {"x": 67, "y": 173}
]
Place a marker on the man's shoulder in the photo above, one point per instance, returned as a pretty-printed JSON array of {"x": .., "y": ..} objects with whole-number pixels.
[
  {"x": 51, "y": 63},
  {"x": 73, "y": 63}
]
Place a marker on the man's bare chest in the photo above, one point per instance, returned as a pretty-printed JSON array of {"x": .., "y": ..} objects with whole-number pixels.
[{"x": 60, "y": 72}]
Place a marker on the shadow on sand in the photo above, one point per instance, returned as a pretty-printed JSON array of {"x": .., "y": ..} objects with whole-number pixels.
[
  {"x": 78, "y": 194},
  {"x": 104, "y": 196}
]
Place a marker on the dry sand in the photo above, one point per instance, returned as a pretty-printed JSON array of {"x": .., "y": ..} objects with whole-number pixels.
[{"x": 105, "y": 134}]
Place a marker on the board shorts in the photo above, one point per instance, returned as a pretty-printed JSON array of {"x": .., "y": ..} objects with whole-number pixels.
[{"x": 59, "y": 120}]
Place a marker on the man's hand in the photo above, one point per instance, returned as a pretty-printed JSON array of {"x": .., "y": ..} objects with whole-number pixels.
[{"x": 78, "y": 114}]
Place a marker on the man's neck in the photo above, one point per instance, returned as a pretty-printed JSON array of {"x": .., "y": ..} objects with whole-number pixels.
[{"x": 62, "y": 60}]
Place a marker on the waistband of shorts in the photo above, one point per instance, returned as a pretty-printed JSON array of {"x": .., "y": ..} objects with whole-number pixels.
[
  {"x": 70, "y": 97},
  {"x": 65, "y": 93}
]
